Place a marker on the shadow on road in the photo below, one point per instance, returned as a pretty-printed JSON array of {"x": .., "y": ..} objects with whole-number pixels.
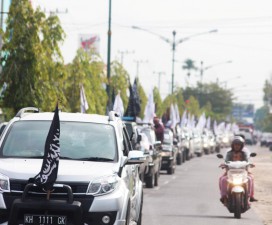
[{"x": 204, "y": 216}]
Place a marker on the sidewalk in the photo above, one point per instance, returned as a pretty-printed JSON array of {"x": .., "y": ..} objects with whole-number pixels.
[{"x": 263, "y": 184}]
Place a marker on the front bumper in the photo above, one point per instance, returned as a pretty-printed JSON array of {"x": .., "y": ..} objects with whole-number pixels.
[
  {"x": 91, "y": 209},
  {"x": 167, "y": 162}
]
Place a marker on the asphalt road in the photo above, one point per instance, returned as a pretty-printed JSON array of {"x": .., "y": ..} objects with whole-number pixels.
[{"x": 191, "y": 197}]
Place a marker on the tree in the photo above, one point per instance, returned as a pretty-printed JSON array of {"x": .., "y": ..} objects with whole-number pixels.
[
  {"x": 220, "y": 99},
  {"x": 32, "y": 58},
  {"x": 158, "y": 102},
  {"x": 87, "y": 70},
  {"x": 119, "y": 81},
  {"x": 143, "y": 98},
  {"x": 189, "y": 65}
]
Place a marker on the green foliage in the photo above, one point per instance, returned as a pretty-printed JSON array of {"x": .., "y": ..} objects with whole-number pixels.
[
  {"x": 192, "y": 106},
  {"x": 263, "y": 117},
  {"x": 119, "y": 81},
  {"x": 220, "y": 99},
  {"x": 189, "y": 65},
  {"x": 158, "y": 102},
  {"x": 87, "y": 70},
  {"x": 261, "y": 120},
  {"x": 33, "y": 62},
  {"x": 143, "y": 98}
]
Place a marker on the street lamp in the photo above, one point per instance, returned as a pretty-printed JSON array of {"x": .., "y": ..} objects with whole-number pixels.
[
  {"x": 109, "y": 55},
  {"x": 226, "y": 81},
  {"x": 174, "y": 44},
  {"x": 202, "y": 69}
]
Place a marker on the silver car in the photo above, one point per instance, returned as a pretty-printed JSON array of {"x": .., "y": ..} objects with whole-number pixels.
[{"x": 96, "y": 164}]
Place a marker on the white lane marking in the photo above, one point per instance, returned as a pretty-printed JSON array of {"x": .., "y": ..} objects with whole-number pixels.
[
  {"x": 157, "y": 188},
  {"x": 165, "y": 182}
]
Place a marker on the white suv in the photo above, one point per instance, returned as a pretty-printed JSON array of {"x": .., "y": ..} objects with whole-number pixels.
[{"x": 96, "y": 163}]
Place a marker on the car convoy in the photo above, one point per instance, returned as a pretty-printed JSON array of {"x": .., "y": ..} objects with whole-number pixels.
[{"x": 104, "y": 164}]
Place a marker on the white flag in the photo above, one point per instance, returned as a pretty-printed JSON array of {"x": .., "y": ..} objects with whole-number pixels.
[
  {"x": 83, "y": 101},
  {"x": 173, "y": 117},
  {"x": 118, "y": 105},
  {"x": 149, "y": 112},
  {"x": 177, "y": 113}
]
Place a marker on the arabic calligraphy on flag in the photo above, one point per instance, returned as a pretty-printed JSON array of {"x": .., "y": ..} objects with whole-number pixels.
[{"x": 49, "y": 170}]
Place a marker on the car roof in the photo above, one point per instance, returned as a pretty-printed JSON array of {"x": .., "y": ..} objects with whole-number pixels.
[{"x": 64, "y": 116}]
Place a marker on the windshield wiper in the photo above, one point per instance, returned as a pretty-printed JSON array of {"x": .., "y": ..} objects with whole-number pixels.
[{"x": 96, "y": 159}]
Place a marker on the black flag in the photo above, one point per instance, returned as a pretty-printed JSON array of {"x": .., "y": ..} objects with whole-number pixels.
[
  {"x": 134, "y": 103},
  {"x": 131, "y": 108},
  {"x": 49, "y": 171},
  {"x": 136, "y": 96}
]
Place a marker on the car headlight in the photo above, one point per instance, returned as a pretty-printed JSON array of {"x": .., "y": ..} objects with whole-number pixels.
[
  {"x": 166, "y": 153},
  {"x": 4, "y": 183},
  {"x": 103, "y": 185}
]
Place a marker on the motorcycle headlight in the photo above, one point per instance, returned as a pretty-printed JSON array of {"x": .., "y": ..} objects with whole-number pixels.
[
  {"x": 237, "y": 180},
  {"x": 102, "y": 185},
  {"x": 4, "y": 183}
]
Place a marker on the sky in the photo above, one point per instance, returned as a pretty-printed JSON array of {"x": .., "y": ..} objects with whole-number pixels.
[{"x": 244, "y": 38}]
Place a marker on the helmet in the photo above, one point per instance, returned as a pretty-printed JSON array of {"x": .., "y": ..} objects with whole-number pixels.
[{"x": 238, "y": 140}]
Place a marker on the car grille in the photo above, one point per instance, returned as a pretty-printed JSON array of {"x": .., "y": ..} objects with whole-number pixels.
[{"x": 79, "y": 191}]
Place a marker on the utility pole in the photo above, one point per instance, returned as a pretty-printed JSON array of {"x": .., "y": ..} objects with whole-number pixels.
[
  {"x": 122, "y": 53},
  {"x": 55, "y": 12},
  {"x": 138, "y": 62},
  {"x": 173, "y": 59},
  {"x": 159, "y": 80}
]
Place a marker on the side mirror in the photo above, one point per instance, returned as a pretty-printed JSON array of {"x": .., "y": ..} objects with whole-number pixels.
[
  {"x": 253, "y": 154},
  {"x": 135, "y": 157},
  {"x": 175, "y": 142},
  {"x": 219, "y": 156}
]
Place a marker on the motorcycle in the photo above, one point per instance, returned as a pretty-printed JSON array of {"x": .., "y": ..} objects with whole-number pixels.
[{"x": 237, "y": 185}]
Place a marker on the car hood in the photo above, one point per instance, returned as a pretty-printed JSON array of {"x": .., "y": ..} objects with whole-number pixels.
[{"x": 69, "y": 170}]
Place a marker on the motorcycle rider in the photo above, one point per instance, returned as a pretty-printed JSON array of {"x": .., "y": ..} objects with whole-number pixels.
[
  {"x": 245, "y": 149},
  {"x": 235, "y": 154}
]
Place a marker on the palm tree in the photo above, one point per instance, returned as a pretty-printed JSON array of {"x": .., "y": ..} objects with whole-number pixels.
[{"x": 189, "y": 65}]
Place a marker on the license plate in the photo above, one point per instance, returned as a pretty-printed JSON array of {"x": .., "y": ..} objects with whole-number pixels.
[{"x": 44, "y": 220}]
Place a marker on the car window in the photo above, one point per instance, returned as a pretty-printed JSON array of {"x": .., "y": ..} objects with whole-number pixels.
[{"x": 77, "y": 140}]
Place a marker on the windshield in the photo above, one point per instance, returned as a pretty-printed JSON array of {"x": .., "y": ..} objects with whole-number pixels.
[{"x": 26, "y": 139}]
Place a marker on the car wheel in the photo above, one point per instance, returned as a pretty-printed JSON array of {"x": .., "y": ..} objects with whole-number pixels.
[
  {"x": 170, "y": 170},
  {"x": 179, "y": 160},
  {"x": 156, "y": 182},
  {"x": 149, "y": 181}
]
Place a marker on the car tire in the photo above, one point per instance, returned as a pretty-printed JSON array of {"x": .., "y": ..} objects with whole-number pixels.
[
  {"x": 156, "y": 179},
  {"x": 170, "y": 171},
  {"x": 149, "y": 181},
  {"x": 179, "y": 159}
]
